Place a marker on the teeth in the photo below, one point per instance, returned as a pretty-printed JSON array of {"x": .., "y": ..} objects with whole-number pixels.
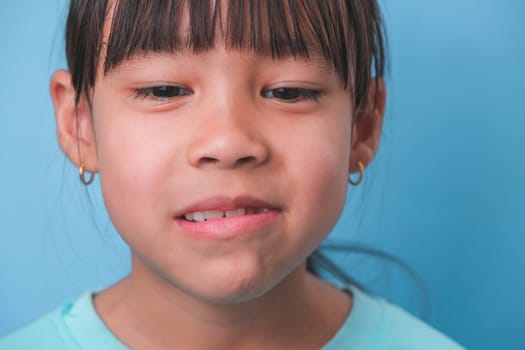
[
  {"x": 256, "y": 210},
  {"x": 210, "y": 215},
  {"x": 236, "y": 212},
  {"x": 200, "y": 216}
]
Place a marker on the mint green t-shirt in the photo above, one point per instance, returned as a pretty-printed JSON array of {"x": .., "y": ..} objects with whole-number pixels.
[{"x": 373, "y": 324}]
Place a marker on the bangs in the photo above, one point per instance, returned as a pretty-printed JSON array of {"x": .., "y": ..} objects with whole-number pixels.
[
  {"x": 277, "y": 28},
  {"x": 346, "y": 33}
]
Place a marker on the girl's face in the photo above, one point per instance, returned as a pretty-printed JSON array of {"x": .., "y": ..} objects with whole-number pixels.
[{"x": 222, "y": 170}]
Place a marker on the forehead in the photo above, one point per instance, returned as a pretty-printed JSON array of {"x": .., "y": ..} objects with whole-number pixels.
[{"x": 277, "y": 28}]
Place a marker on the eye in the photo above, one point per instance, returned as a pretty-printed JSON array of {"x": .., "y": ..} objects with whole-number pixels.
[
  {"x": 164, "y": 92},
  {"x": 291, "y": 95}
]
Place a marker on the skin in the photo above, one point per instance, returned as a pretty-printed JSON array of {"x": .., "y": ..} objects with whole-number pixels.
[{"x": 224, "y": 136}]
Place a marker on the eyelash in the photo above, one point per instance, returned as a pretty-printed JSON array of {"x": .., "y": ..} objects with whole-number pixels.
[
  {"x": 284, "y": 94},
  {"x": 292, "y": 94},
  {"x": 163, "y": 92}
]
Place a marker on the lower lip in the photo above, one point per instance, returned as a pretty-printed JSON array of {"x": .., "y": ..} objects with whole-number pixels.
[{"x": 228, "y": 227}]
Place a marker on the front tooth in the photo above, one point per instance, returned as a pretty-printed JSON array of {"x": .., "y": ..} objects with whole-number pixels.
[
  {"x": 236, "y": 212},
  {"x": 209, "y": 215},
  {"x": 189, "y": 217}
]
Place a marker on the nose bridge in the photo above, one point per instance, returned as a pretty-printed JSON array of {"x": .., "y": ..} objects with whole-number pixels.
[{"x": 227, "y": 136}]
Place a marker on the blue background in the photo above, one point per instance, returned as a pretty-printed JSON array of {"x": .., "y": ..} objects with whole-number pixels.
[{"x": 446, "y": 192}]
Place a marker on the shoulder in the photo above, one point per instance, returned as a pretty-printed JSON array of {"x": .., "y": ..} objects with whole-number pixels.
[
  {"x": 376, "y": 324},
  {"x": 45, "y": 334},
  {"x": 73, "y": 326},
  {"x": 404, "y": 331}
]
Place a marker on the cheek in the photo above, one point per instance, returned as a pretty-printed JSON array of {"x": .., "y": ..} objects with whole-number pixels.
[
  {"x": 319, "y": 175},
  {"x": 133, "y": 171},
  {"x": 325, "y": 186},
  {"x": 126, "y": 188}
]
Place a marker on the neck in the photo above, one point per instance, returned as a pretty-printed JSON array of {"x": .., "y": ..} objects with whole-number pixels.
[{"x": 146, "y": 312}]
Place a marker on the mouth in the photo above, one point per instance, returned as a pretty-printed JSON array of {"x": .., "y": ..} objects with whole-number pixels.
[
  {"x": 226, "y": 217},
  {"x": 207, "y": 215}
]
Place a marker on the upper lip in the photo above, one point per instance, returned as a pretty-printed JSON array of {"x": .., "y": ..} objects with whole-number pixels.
[{"x": 224, "y": 203}]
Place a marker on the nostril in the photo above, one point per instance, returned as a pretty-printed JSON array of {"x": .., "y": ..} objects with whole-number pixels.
[
  {"x": 209, "y": 160},
  {"x": 245, "y": 160}
]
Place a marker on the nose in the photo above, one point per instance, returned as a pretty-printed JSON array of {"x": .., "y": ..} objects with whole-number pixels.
[{"x": 228, "y": 140}]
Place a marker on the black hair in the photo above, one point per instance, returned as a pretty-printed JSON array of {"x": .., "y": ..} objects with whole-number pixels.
[{"x": 348, "y": 33}]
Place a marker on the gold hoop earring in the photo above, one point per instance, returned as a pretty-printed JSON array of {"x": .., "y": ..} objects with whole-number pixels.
[
  {"x": 361, "y": 175},
  {"x": 82, "y": 173}
]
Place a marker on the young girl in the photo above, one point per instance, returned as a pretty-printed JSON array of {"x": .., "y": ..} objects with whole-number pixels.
[{"x": 224, "y": 133}]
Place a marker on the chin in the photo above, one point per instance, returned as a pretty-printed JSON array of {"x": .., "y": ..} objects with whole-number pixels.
[
  {"x": 237, "y": 286},
  {"x": 232, "y": 284}
]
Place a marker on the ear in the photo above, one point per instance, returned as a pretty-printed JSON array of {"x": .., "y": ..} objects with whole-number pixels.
[
  {"x": 367, "y": 126},
  {"x": 74, "y": 122}
]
